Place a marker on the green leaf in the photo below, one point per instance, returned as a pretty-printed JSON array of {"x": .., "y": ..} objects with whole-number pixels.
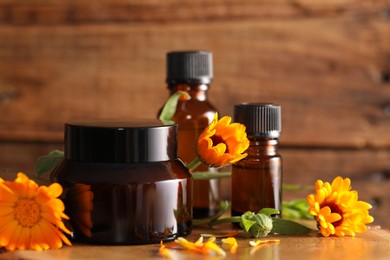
[
  {"x": 288, "y": 227},
  {"x": 247, "y": 220},
  {"x": 210, "y": 175},
  {"x": 296, "y": 209},
  {"x": 291, "y": 213},
  {"x": 269, "y": 211},
  {"x": 47, "y": 162},
  {"x": 169, "y": 108}
]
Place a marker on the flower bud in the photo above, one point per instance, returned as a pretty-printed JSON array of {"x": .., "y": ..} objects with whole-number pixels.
[{"x": 258, "y": 225}]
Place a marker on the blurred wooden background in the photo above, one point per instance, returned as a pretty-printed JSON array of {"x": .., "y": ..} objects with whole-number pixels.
[{"x": 327, "y": 63}]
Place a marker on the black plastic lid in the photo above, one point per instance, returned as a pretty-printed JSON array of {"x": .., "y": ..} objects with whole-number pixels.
[
  {"x": 192, "y": 67},
  {"x": 260, "y": 119},
  {"x": 112, "y": 141}
]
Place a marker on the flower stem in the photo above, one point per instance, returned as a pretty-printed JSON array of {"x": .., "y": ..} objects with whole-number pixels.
[
  {"x": 209, "y": 175},
  {"x": 223, "y": 208},
  {"x": 236, "y": 219},
  {"x": 195, "y": 163}
]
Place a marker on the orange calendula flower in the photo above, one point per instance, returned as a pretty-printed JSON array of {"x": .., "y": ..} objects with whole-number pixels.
[
  {"x": 337, "y": 209},
  {"x": 222, "y": 143},
  {"x": 31, "y": 215}
]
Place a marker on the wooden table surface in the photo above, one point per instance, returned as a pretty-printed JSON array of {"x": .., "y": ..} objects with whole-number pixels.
[{"x": 374, "y": 244}]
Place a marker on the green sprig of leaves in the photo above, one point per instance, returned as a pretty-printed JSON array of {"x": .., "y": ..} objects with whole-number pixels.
[{"x": 262, "y": 223}]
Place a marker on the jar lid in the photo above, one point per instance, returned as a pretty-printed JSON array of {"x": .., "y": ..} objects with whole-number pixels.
[
  {"x": 260, "y": 119},
  {"x": 191, "y": 67},
  {"x": 113, "y": 141}
]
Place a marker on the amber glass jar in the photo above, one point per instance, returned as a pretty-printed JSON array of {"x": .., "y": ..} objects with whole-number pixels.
[
  {"x": 123, "y": 182},
  {"x": 257, "y": 179},
  {"x": 192, "y": 72}
]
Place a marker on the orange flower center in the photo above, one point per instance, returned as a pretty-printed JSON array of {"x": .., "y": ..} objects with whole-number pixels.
[
  {"x": 334, "y": 208},
  {"x": 218, "y": 140},
  {"x": 27, "y": 212}
]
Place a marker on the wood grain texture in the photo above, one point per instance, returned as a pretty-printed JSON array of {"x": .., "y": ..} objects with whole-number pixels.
[
  {"x": 327, "y": 72},
  {"x": 374, "y": 244},
  {"x": 48, "y": 13}
]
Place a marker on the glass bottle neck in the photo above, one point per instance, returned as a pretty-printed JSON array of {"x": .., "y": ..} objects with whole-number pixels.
[
  {"x": 262, "y": 146},
  {"x": 196, "y": 91}
]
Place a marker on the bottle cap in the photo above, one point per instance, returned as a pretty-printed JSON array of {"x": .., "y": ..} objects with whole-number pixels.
[
  {"x": 114, "y": 141},
  {"x": 193, "y": 67},
  {"x": 260, "y": 119}
]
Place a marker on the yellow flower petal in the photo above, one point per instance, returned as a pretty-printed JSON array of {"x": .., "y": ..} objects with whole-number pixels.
[
  {"x": 37, "y": 239},
  {"x": 262, "y": 242},
  {"x": 4, "y": 220},
  {"x": 165, "y": 252},
  {"x": 232, "y": 242},
  {"x": 6, "y": 211},
  {"x": 210, "y": 245},
  {"x": 23, "y": 241},
  {"x": 188, "y": 245},
  {"x": 6, "y": 194},
  {"x": 7, "y": 232},
  {"x": 363, "y": 205},
  {"x": 55, "y": 189},
  {"x": 48, "y": 232},
  {"x": 14, "y": 239},
  {"x": 206, "y": 248}
]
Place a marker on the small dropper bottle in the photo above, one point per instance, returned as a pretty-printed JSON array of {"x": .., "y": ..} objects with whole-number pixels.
[
  {"x": 192, "y": 72},
  {"x": 257, "y": 179}
]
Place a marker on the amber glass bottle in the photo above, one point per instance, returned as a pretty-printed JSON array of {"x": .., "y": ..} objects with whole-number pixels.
[
  {"x": 192, "y": 72},
  {"x": 257, "y": 179}
]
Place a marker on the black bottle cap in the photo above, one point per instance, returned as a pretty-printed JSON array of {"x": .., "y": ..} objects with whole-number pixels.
[
  {"x": 260, "y": 119},
  {"x": 191, "y": 67},
  {"x": 112, "y": 141}
]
